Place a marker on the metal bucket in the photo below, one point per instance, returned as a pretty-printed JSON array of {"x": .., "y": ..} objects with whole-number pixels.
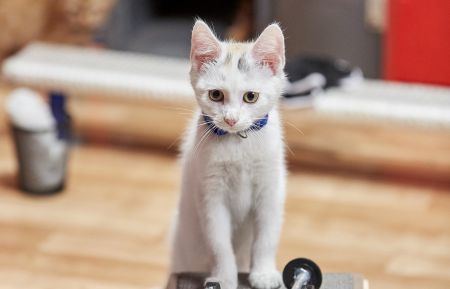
[{"x": 42, "y": 160}]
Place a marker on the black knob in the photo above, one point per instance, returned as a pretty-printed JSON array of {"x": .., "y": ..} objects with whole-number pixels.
[
  {"x": 212, "y": 285},
  {"x": 299, "y": 265}
]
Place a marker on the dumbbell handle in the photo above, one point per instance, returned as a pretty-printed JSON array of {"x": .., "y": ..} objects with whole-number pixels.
[{"x": 301, "y": 277}]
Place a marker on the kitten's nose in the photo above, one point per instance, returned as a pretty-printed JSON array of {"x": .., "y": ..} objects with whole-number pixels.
[{"x": 230, "y": 121}]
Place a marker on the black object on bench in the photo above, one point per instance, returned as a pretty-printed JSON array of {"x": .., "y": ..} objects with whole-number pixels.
[{"x": 296, "y": 270}]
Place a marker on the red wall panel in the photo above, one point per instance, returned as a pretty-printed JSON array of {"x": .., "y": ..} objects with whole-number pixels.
[{"x": 417, "y": 41}]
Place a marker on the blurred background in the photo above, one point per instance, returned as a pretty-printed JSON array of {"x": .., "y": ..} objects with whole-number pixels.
[{"x": 95, "y": 95}]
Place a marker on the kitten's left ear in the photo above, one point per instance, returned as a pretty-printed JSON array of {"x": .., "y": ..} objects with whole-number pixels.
[{"x": 268, "y": 49}]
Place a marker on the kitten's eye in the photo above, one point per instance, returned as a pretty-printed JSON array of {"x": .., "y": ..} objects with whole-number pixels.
[
  {"x": 251, "y": 97},
  {"x": 215, "y": 95}
]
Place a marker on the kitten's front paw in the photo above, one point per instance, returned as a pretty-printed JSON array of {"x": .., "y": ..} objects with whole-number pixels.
[
  {"x": 265, "y": 279},
  {"x": 224, "y": 283}
]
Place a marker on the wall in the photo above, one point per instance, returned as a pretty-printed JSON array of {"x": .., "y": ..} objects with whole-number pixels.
[{"x": 332, "y": 28}]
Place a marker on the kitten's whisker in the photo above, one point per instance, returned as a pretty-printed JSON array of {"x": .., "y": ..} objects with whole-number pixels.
[
  {"x": 258, "y": 135},
  {"x": 203, "y": 123},
  {"x": 197, "y": 146},
  {"x": 204, "y": 138},
  {"x": 289, "y": 149},
  {"x": 296, "y": 128},
  {"x": 179, "y": 108},
  {"x": 200, "y": 124},
  {"x": 201, "y": 137},
  {"x": 174, "y": 142}
]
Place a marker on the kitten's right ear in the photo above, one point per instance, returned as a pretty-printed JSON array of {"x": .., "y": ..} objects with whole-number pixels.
[{"x": 205, "y": 47}]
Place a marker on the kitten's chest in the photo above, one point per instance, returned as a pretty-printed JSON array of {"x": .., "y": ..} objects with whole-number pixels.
[
  {"x": 242, "y": 152},
  {"x": 233, "y": 167},
  {"x": 239, "y": 190}
]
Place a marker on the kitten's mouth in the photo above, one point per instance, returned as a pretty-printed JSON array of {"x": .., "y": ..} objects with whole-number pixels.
[{"x": 231, "y": 129}]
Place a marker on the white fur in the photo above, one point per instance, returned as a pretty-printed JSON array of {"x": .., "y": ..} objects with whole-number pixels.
[{"x": 232, "y": 190}]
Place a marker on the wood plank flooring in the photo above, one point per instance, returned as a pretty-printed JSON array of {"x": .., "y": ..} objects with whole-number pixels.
[{"x": 109, "y": 228}]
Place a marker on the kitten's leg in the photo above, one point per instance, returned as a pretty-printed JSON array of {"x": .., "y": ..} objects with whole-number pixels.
[
  {"x": 267, "y": 227},
  {"x": 242, "y": 244},
  {"x": 216, "y": 225}
]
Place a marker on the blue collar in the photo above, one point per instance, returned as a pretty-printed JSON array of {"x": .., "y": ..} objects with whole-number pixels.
[{"x": 257, "y": 125}]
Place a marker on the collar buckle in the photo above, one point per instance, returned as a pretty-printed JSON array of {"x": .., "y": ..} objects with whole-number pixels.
[{"x": 242, "y": 134}]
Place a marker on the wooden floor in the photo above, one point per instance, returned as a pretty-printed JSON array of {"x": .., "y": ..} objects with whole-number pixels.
[{"x": 109, "y": 228}]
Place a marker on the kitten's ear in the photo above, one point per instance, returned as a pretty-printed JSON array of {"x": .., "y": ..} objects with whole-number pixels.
[
  {"x": 268, "y": 49},
  {"x": 205, "y": 47}
]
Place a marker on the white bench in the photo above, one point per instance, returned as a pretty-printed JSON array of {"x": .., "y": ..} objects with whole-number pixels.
[
  {"x": 91, "y": 71},
  {"x": 113, "y": 74}
]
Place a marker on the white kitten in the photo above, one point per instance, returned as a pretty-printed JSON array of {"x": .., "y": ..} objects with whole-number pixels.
[{"x": 233, "y": 182}]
